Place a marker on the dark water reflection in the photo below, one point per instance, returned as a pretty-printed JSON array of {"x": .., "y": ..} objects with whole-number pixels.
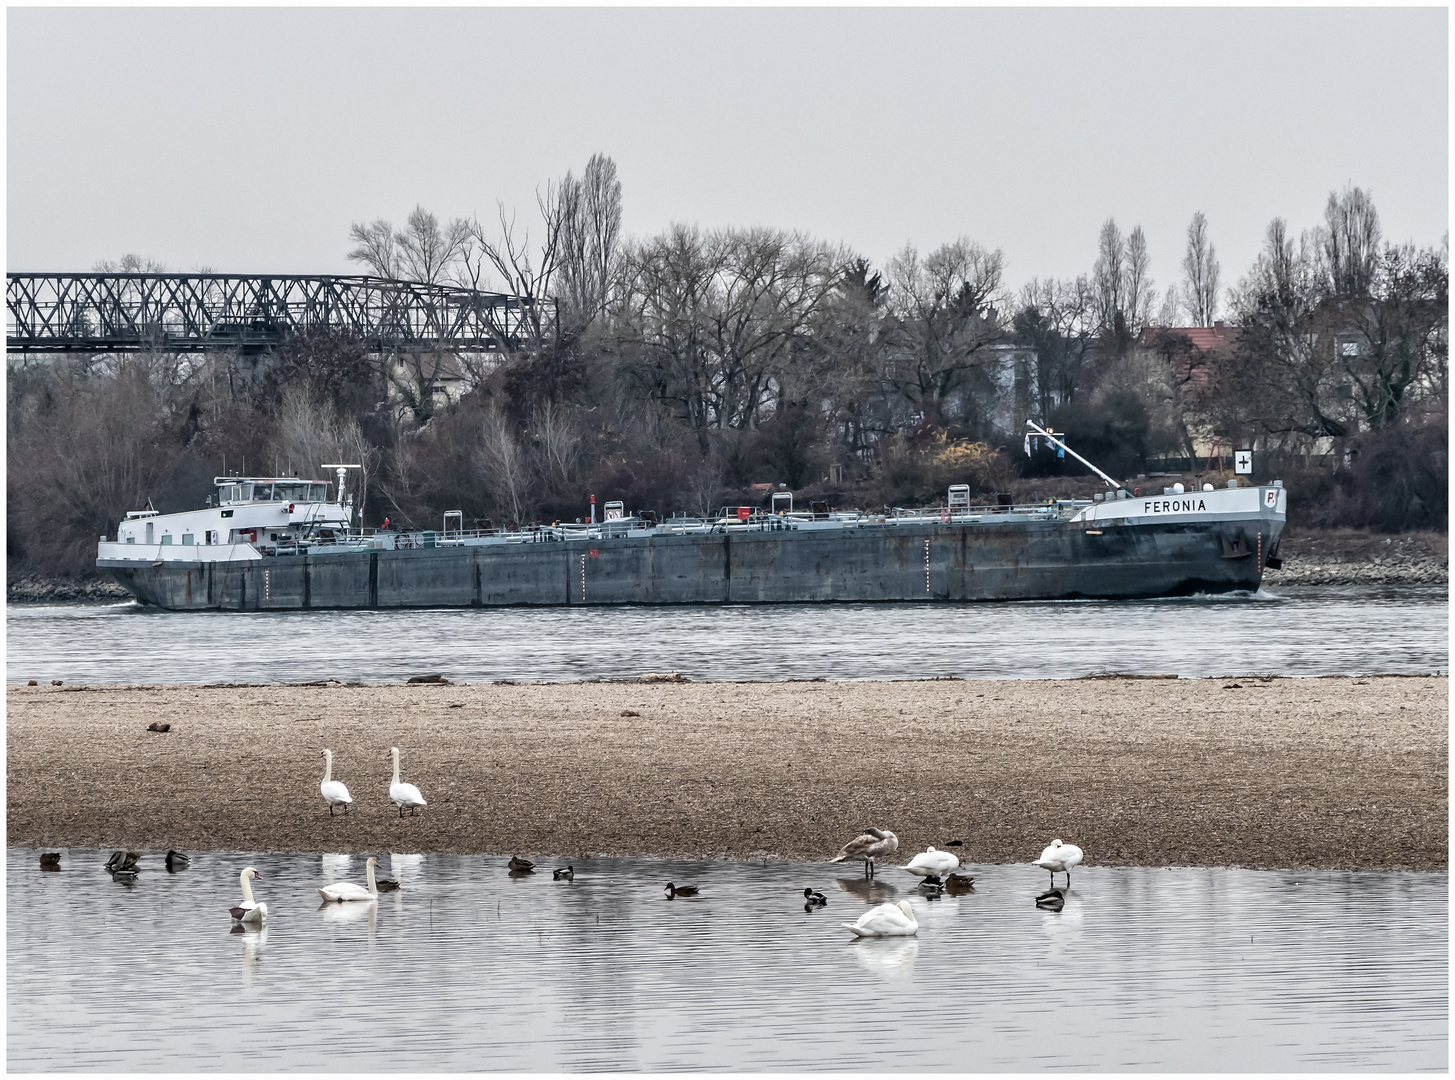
[
  {"x": 466, "y": 968},
  {"x": 1297, "y": 631}
]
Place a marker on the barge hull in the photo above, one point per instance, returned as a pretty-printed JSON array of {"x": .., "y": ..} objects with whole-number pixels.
[{"x": 902, "y": 563}]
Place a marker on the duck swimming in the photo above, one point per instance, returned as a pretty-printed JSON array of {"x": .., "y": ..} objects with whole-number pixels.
[
  {"x": 564, "y": 873},
  {"x": 674, "y": 891}
]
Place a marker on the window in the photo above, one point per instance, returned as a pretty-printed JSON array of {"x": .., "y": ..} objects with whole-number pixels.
[
  {"x": 131, "y": 539},
  {"x": 186, "y": 539},
  {"x": 166, "y": 538}
]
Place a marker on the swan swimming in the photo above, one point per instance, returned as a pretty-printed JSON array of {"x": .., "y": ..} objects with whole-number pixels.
[
  {"x": 869, "y": 845},
  {"x": 1059, "y": 858},
  {"x": 932, "y": 865},
  {"x": 347, "y": 890},
  {"x": 333, "y": 791},
  {"x": 886, "y": 920},
  {"x": 249, "y": 911},
  {"x": 403, "y": 794}
]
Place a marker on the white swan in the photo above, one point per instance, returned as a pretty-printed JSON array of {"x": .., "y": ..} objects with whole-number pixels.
[
  {"x": 249, "y": 911},
  {"x": 403, "y": 794},
  {"x": 333, "y": 791},
  {"x": 1059, "y": 858},
  {"x": 347, "y": 890},
  {"x": 887, "y": 920},
  {"x": 932, "y": 864},
  {"x": 869, "y": 845}
]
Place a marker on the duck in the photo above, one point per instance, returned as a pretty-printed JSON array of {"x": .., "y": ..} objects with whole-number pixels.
[
  {"x": 1059, "y": 858},
  {"x": 869, "y": 845},
  {"x": 125, "y": 873},
  {"x": 175, "y": 861},
  {"x": 958, "y": 883},
  {"x": 932, "y": 865},
  {"x": 403, "y": 795},
  {"x": 387, "y": 886},
  {"x": 334, "y": 791},
  {"x": 563, "y": 874},
  {"x": 122, "y": 860},
  {"x": 886, "y": 920},
  {"x": 814, "y": 899},
  {"x": 1053, "y": 900},
  {"x": 674, "y": 891},
  {"x": 521, "y": 866},
  {"x": 249, "y": 911},
  {"x": 346, "y": 890},
  {"x": 50, "y": 859}
]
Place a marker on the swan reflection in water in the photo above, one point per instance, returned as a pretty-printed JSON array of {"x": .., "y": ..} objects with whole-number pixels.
[
  {"x": 870, "y": 890},
  {"x": 1062, "y": 925},
  {"x": 335, "y": 867},
  {"x": 405, "y": 868},
  {"x": 889, "y": 958},
  {"x": 254, "y": 938}
]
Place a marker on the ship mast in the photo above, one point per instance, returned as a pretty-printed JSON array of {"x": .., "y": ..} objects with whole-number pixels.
[{"x": 1042, "y": 431}]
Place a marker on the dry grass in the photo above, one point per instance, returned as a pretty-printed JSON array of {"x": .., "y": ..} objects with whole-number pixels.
[{"x": 1264, "y": 773}]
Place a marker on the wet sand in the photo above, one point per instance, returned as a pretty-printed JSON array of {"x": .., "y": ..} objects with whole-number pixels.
[{"x": 1272, "y": 773}]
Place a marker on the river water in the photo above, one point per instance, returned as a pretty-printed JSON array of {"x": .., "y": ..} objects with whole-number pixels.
[
  {"x": 1297, "y": 631},
  {"x": 469, "y": 968}
]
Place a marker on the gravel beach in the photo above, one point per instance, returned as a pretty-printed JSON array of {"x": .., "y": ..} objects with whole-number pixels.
[{"x": 1271, "y": 773}]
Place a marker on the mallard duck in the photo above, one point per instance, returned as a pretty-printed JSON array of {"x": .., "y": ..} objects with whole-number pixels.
[
  {"x": 521, "y": 866},
  {"x": 50, "y": 859},
  {"x": 564, "y": 874},
  {"x": 815, "y": 899},
  {"x": 387, "y": 886},
  {"x": 177, "y": 861},
  {"x": 1054, "y": 900},
  {"x": 674, "y": 891},
  {"x": 122, "y": 861},
  {"x": 869, "y": 845},
  {"x": 958, "y": 883},
  {"x": 1059, "y": 858}
]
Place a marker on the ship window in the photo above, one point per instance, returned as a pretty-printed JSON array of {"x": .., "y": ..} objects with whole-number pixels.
[
  {"x": 262, "y": 492},
  {"x": 131, "y": 539},
  {"x": 166, "y": 538},
  {"x": 186, "y": 539}
]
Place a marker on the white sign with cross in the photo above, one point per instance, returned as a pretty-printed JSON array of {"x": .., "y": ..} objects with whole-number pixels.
[{"x": 1243, "y": 463}]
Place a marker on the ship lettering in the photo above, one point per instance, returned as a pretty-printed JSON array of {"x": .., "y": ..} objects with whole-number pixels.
[{"x": 1174, "y": 506}]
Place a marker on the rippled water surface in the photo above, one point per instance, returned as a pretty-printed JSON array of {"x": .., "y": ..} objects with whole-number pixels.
[
  {"x": 467, "y": 967},
  {"x": 1296, "y": 631}
]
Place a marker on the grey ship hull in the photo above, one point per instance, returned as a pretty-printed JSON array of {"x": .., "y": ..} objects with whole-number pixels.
[{"x": 904, "y": 562}]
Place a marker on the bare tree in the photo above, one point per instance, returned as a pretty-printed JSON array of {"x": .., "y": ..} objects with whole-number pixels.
[
  {"x": 425, "y": 251},
  {"x": 309, "y": 432},
  {"x": 1109, "y": 273},
  {"x": 131, "y": 264},
  {"x": 1139, "y": 291},
  {"x": 1351, "y": 241},
  {"x": 590, "y": 239},
  {"x": 508, "y": 474},
  {"x": 1200, "y": 272},
  {"x": 376, "y": 247}
]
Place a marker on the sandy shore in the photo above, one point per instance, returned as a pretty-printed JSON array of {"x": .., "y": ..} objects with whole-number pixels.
[{"x": 1335, "y": 773}]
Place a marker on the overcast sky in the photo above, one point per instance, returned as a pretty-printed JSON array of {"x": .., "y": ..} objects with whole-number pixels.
[{"x": 248, "y": 139}]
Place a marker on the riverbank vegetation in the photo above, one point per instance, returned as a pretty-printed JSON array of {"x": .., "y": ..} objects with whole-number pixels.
[{"x": 701, "y": 366}]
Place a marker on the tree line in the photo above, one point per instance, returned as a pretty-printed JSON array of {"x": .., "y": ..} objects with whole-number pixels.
[{"x": 676, "y": 371}]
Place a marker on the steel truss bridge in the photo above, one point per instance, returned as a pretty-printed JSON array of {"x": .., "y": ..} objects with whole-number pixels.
[{"x": 254, "y": 312}]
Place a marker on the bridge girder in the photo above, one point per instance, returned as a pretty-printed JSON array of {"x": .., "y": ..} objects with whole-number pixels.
[{"x": 203, "y": 312}]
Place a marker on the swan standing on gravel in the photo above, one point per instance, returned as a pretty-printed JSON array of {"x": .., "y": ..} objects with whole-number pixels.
[
  {"x": 1059, "y": 858},
  {"x": 887, "y": 920},
  {"x": 403, "y": 794},
  {"x": 333, "y": 791},
  {"x": 869, "y": 845},
  {"x": 347, "y": 890},
  {"x": 249, "y": 911},
  {"x": 932, "y": 865}
]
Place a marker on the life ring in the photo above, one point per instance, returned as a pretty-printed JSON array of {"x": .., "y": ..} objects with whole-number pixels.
[
  {"x": 1137, "y": 492},
  {"x": 945, "y": 516}
]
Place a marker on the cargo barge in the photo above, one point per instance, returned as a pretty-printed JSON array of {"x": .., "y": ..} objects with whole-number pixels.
[{"x": 280, "y": 544}]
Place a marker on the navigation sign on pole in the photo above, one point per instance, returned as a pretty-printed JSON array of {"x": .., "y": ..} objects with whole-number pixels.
[{"x": 1243, "y": 463}]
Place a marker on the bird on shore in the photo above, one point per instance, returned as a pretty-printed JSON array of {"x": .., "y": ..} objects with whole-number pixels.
[
  {"x": 674, "y": 891},
  {"x": 50, "y": 860},
  {"x": 563, "y": 873},
  {"x": 249, "y": 911},
  {"x": 403, "y": 795},
  {"x": 932, "y": 865},
  {"x": 886, "y": 920},
  {"x": 518, "y": 865},
  {"x": 175, "y": 861},
  {"x": 1059, "y": 858},
  {"x": 333, "y": 791},
  {"x": 814, "y": 899},
  {"x": 342, "y": 891},
  {"x": 1052, "y": 900},
  {"x": 869, "y": 845}
]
